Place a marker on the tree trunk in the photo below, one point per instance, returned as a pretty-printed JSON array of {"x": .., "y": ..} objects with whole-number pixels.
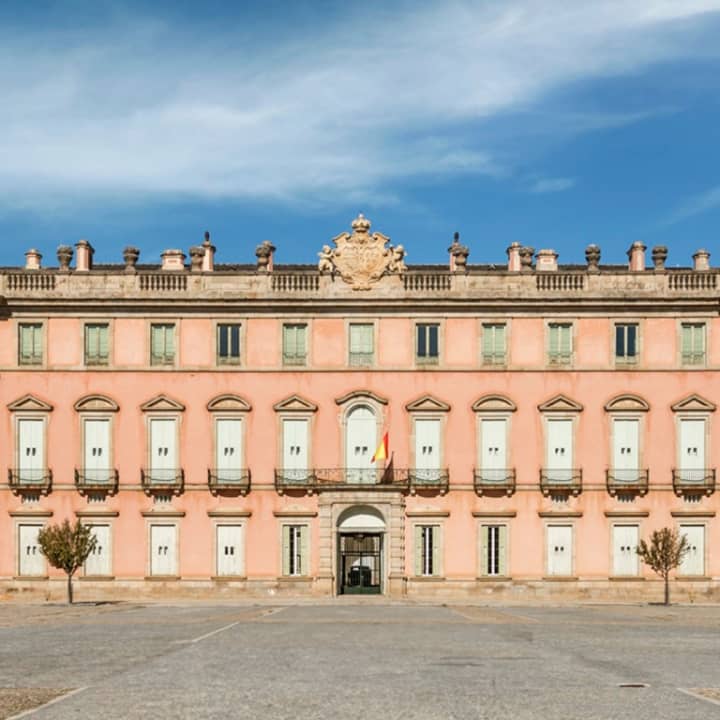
[
  {"x": 69, "y": 589},
  {"x": 667, "y": 588}
]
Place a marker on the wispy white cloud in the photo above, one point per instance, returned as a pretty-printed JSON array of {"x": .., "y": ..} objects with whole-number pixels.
[
  {"x": 138, "y": 108},
  {"x": 708, "y": 200},
  {"x": 552, "y": 185}
]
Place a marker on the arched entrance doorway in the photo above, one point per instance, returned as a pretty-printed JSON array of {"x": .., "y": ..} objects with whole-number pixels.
[
  {"x": 360, "y": 443},
  {"x": 361, "y": 531}
]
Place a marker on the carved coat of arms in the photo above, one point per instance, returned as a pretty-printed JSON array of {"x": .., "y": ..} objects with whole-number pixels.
[{"x": 361, "y": 258}]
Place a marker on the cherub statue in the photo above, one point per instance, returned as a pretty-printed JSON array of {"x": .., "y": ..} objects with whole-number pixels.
[
  {"x": 397, "y": 263},
  {"x": 326, "y": 260}
]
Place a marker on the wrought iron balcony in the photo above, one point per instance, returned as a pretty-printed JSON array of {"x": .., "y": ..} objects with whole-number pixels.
[
  {"x": 22, "y": 480},
  {"x": 162, "y": 480},
  {"x": 313, "y": 479},
  {"x": 689, "y": 481},
  {"x": 560, "y": 480},
  {"x": 96, "y": 480},
  {"x": 627, "y": 481},
  {"x": 489, "y": 479},
  {"x": 424, "y": 479},
  {"x": 229, "y": 479}
]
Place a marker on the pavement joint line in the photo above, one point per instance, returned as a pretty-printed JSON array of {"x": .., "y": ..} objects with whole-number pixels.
[
  {"x": 698, "y": 696},
  {"x": 209, "y": 634},
  {"x": 32, "y": 711}
]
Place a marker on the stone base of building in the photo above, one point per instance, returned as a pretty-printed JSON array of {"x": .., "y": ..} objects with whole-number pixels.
[{"x": 481, "y": 591}]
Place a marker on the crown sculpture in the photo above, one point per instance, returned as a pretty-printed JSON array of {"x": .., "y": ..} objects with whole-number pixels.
[{"x": 360, "y": 258}]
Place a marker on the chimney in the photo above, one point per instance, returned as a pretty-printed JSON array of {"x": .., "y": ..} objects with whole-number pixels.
[
  {"x": 197, "y": 253},
  {"x": 636, "y": 255},
  {"x": 513, "y": 253},
  {"x": 701, "y": 260},
  {"x": 546, "y": 260},
  {"x": 83, "y": 256},
  {"x": 173, "y": 260},
  {"x": 208, "y": 263},
  {"x": 32, "y": 259}
]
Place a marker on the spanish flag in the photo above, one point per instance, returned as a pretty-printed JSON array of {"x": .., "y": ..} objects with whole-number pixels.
[{"x": 382, "y": 450}]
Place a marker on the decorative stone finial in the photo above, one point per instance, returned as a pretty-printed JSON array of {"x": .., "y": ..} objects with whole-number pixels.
[
  {"x": 458, "y": 255},
  {"x": 264, "y": 253},
  {"x": 526, "y": 258},
  {"x": 130, "y": 256},
  {"x": 361, "y": 225},
  {"x": 197, "y": 253},
  {"x": 592, "y": 257},
  {"x": 64, "y": 256},
  {"x": 659, "y": 256}
]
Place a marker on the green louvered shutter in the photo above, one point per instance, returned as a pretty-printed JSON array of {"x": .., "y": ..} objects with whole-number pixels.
[
  {"x": 565, "y": 342},
  {"x": 502, "y": 550},
  {"x": 484, "y": 530},
  {"x": 169, "y": 355},
  {"x": 304, "y": 531},
  {"x": 286, "y": 550},
  {"x": 435, "y": 538},
  {"x": 418, "y": 549},
  {"x": 26, "y": 343},
  {"x": 103, "y": 343}
]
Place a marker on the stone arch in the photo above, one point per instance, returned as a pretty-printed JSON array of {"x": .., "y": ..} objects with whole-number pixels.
[
  {"x": 361, "y": 518},
  {"x": 627, "y": 402},
  {"x": 96, "y": 403}
]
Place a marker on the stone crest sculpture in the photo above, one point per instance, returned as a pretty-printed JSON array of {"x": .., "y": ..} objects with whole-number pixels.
[{"x": 362, "y": 258}]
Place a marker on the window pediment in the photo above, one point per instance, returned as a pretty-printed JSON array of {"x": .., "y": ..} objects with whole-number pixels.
[
  {"x": 427, "y": 403},
  {"x": 494, "y": 403},
  {"x": 162, "y": 403},
  {"x": 694, "y": 403},
  {"x": 295, "y": 403},
  {"x": 560, "y": 403},
  {"x": 361, "y": 395},
  {"x": 229, "y": 403},
  {"x": 29, "y": 403},
  {"x": 96, "y": 403},
  {"x": 627, "y": 402}
]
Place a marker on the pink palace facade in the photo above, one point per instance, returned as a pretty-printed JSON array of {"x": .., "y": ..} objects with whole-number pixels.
[{"x": 216, "y": 424}]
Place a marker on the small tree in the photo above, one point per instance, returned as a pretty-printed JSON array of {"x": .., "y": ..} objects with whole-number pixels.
[
  {"x": 665, "y": 552},
  {"x": 67, "y": 547}
]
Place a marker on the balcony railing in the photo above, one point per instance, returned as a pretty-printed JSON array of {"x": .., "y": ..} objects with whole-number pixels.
[
  {"x": 311, "y": 479},
  {"x": 34, "y": 481},
  {"x": 426, "y": 479},
  {"x": 686, "y": 480},
  {"x": 560, "y": 480},
  {"x": 96, "y": 480},
  {"x": 162, "y": 479},
  {"x": 229, "y": 479},
  {"x": 627, "y": 481},
  {"x": 489, "y": 479}
]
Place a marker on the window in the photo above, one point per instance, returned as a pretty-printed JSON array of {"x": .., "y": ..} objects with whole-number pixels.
[
  {"x": 31, "y": 450},
  {"x": 162, "y": 344},
  {"x": 97, "y": 350},
  {"x": 694, "y": 561},
  {"x": 98, "y": 563},
  {"x": 294, "y": 344},
  {"x": 427, "y": 550},
  {"x": 228, "y": 544},
  {"x": 31, "y": 561},
  {"x": 560, "y": 343},
  {"x": 625, "y": 539},
  {"x": 692, "y": 343},
  {"x": 163, "y": 550},
  {"x": 559, "y": 550},
  {"x": 295, "y": 550},
  {"x": 493, "y": 552},
  {"x": 626, "y": 343},
  {"x": 362, "y": 344},
  {"x": 427, "y": 343},
  {"x": 494, "y": 344},
  {"x": 30, "y": 351},
  {"x": 163, "y": 466},
  {"x": 228, "y": 344}
]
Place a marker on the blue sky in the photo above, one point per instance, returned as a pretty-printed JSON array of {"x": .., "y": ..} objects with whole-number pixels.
[{"x": 551, "y": 123}]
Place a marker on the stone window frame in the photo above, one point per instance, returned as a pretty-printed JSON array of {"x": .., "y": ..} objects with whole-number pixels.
[
  {"x": 163, "y": 407},
  {"x": 102, "y": 522},
  {"x": 487, "y": 322},
  {"x": 307, "y": 323},
  {"x": 625, "y": 363},
  {"x": 560, "y": 407},
  {"x": 110, "y": 324},
  {"x": 231, "y": 365},
  {"x": 349, "y": 322},
  {"x": 707, "y": 324},
  {"x": 241, "y": 521},
  {"x": 175, "y": 322},
  {"x": 488, "y": 520},
  {"x": 43, "y": 323},
  {"x": 355, "y": 399},
  {"x": 705, "y": 524},
  {"x": 549, "y": 323},
  {"x": 305, "y": 548},
  {"x": 30, "y": 407},
  {"x": 428, "y": 407},
  {"x": 38, "y": 518},
  {"x": 168, "y": 518},
  {"x": 294, "y": 407},
  {"x": 628, "y": 521},
  {"x": 494, "y": 407},
  {"x": 627, "y": 406},
  {"x": 693, "y": 407},
  {"x": 437, "y": 523},
  {"x": 428, "y": 362},
  {"x": 560, "y": 522},
  {"x": 229, "y": 406},
  {"x": 96, "y": 407}
]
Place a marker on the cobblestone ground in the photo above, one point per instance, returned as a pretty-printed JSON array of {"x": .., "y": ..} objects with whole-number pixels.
[{"x": 369, "y": 659}]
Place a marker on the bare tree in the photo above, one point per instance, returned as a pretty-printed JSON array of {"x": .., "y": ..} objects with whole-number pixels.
[
  {"x": 665, "y": 552},
  {"x": 67, "y": 547}
]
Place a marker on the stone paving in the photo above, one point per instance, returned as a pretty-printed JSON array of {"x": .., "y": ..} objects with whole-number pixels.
[{"x": 397, "y": 661}]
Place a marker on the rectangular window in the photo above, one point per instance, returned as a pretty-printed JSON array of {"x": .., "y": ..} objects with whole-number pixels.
[
  {"x": 163, "y": 466},
  {"x": 31, "y": 450},
  {"x": 559, "y": 550},
  {"x": 625, "y": 540},
  {"x": 427, "y": 550},
  {"x": 560, "y": 343},
  {"x": 626, "y": 343},
  {"x": 162, "y": 344},
  {"x": 163, "y": 550},
  {"x": 427, "y": 343},
  {"x": 294, "y": 344},
  {"x": 692, "y": 343},
  {"x": 228, "y": 344},
  {"x": 229, "y": 550},
  {"x": 31, "y": 561},
  {"x": 494, "y": 344},
  {"x": 97, "y": 350},
  {"x": 99, "y": 561},
  {"x": 362, "y": 344},
  {"x": 493, "y": 551},
  {"x": 97, "y": 465},
  {"x": 30, "y": 341},
  {"x": 295, "y": 550},
  {"x": 694, "y": 561}
]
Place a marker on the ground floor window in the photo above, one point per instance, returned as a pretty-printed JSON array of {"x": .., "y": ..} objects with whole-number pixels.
[
  {"x": 295, "y": 550},
  {"x": 694, "y": 561},
  {"x": 31, "y": 561},
  {"x": 228, "y": 550},
  {"x": 427, "y": 550},
  {"x": 163, "y": 550},
  {"x": 99, "y": 560},
  {"x": 493, "y": 550}
]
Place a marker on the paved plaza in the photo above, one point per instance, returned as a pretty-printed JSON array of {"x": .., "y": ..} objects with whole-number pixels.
[{"x": 334, "y": 660}]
